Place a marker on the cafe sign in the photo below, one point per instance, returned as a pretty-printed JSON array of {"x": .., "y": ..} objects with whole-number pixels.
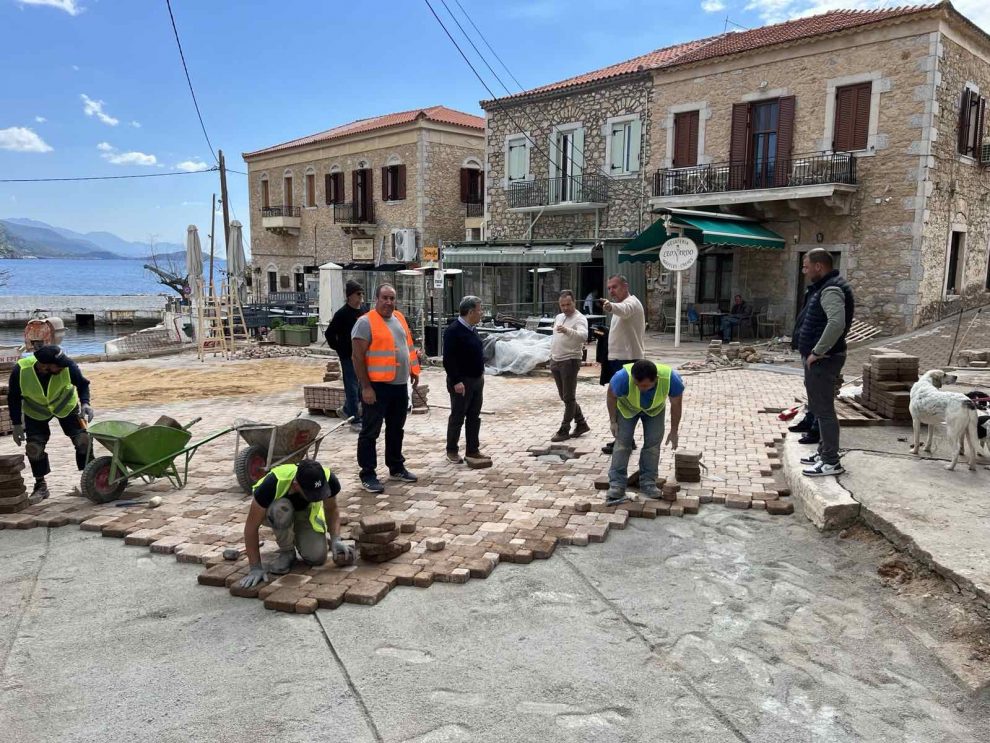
[{"x": 678, "y": 254}]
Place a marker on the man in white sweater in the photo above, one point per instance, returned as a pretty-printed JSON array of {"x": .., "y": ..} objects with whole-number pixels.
[
  {"x": 570, "y": 333},
  {"x": 626, "y": 331}
]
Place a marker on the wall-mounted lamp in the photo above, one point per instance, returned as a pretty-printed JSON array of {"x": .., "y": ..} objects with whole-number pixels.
[{"x": 819, "y": 237}]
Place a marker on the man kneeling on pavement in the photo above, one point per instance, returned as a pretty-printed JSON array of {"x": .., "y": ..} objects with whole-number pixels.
[
  {"x": 639, "y": 392},
  {"x": 297, "y": 501}
]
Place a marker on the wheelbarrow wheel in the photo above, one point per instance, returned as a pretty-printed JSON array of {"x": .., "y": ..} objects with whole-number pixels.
[
  {"x": 96, "y": 481},
  {"x": 250, "y": 466}
]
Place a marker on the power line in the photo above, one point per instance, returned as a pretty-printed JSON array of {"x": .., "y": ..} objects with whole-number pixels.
[
  {"x": 106, "y": 177},
  {"x": 504, "y": 66},
  {"x": 189, "y": 80}
]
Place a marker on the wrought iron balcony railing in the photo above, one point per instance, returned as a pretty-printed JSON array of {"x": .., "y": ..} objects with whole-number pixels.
[
  {"x": 577, "y": 189},
  {"x": 280, "y": 211},
  {"x": 474, "y": 209},
  {"x": 803, "y": 170},
  {"x": 354, "y": 213}
]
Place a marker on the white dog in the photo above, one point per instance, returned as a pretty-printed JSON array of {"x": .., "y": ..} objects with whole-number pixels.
[{"x": 931, "y": 406}]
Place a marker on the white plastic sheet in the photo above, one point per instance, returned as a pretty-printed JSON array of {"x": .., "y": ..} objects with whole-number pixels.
[{"x": 518, "y": 352}]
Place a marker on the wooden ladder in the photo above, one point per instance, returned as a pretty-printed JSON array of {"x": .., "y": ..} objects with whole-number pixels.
[
  {"x": 235, "y": 327},
  {"x": 210, "y": 333}
]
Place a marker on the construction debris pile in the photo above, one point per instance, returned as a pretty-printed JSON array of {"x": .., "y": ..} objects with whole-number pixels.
[
  {"x": 973, "y": 358},
  {"x": 268, "y": 352},
  {"x": 516, "y": 352},
  {"x": 725, "y": 356},
  {"x": 13, "y": 493},
  {"x": 887, "y": 382},
  {"x": 378, "y": 540}
]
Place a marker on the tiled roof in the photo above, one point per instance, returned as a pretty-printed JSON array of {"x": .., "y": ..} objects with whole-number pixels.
[
  {"x": 734, "y": 43},
  {"x": 440, "y": 114}
]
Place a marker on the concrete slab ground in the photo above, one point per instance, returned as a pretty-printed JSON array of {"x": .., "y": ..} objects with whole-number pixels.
[{"x": 732, "y": 626}]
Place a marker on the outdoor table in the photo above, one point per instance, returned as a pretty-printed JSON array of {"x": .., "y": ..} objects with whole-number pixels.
[{"x": 715, "y": 318}]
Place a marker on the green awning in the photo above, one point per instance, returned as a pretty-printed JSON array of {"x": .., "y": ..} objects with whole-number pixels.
[
  {"x": 538, "y": 254},
  {"x": 704, "y": 229}
]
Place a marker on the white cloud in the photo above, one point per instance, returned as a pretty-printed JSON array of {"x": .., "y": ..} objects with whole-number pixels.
[
  {"x": 75, "y": 67},
  {"x": 22, "y": 139},
  {"x": 95, "y": 108},
  {"x": 712, "y": 6},
  {"x": 40, "y": 119},
  {"x": 191, "y": 166},
  {"x": 72, "y": 7},
  {"x": 136, "y": 124},
  {"x": 774, "y": 11},
  {"x": 112, "y": 156}
]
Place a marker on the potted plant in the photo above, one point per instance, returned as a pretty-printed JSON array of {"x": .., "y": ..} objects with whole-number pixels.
[{"x": 295, "y": 335}]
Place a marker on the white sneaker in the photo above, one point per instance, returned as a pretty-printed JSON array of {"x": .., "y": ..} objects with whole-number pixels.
[
  {"x": 822, "y": 469},
  {"x": 812, "y": 459}
]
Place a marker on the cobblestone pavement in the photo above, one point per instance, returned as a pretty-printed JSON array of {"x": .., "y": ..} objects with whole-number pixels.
[{"x": 517, "y": 511}]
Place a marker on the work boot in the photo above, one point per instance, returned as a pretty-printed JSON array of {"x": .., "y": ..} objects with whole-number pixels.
[
  {"x": 615, "y": 496},
  {"x": 802, "y": 426},
  {"x": 562, "y": 435},
  {"x": 40, "y": 491},
  {"x": 580, "y": 429},
  {"x": 812, "y": 437},
  {"x": 650, "y": 491},
  {"x": 282, "y": 562}
]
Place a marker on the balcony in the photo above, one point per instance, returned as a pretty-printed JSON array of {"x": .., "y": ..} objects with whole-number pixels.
[
  {"x": 281, "y": 220},
  {"x": 355, "y": 217},
  {"x": 474, "y": 209},
  {"x": 579, "y": 193},
  {"x": 827, "y": 176}
]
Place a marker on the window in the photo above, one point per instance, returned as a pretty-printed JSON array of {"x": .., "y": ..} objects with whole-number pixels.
[
  {"x": 851, "y": 130},
  {"x": 472, "y": 185},
  {"x": 310, "y": 188},
  {"x": 364, "y": 205},
  {"x": 334, "y": 187},
  {"x": 686, "y": 139},
  {"x": 715, "y": 280},
  {"x": 393, "y": 183},
  {"x": 624, "y": 137},
  {"x": 567, "y": 164},
  {"x": 972, "y": 115},
  {"x": 287, "y": 190},
  {"x": 299, "y": 278},
  {"x": 760, "y": 144},
  {"x": 517, "y": 159},
  {"x": 272, "y": 281},
  {"x": 266, "y": 200},
  {"x": 955, "y": 264}
]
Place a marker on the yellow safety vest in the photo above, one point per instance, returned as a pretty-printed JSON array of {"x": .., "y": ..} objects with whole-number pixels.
[
  {"x": 285, "y": 474},
  {"x": 630, "y": 404},
  {"x": 61, "y": 400}
]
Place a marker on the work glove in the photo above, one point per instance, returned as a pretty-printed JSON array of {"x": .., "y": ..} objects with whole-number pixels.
[
  {"x": 343, "y": 554},
  {"x": 255, "y": 576},
  {"x": 18, "y": 434},
  {"x": 86, "y": 411}
]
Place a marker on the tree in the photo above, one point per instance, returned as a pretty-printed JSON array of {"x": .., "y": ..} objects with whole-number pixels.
[{"x": 168, "y": 272}]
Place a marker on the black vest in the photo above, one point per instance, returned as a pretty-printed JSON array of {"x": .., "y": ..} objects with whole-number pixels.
[{"x": 814, "y": 319}]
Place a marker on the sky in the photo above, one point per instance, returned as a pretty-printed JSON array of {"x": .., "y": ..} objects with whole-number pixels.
[{"x": 96, "y": 87}]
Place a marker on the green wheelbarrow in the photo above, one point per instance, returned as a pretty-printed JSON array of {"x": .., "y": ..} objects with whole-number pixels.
[{"x": 147, "y": 452}]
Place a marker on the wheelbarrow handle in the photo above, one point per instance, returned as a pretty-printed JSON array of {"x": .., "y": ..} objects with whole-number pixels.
[{"x": 191, "y": 423}]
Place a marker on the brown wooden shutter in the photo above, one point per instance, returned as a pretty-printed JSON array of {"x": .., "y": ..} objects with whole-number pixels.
[
  {"x": 385, "y": 194},
  {"x": 339, "y": 188},
  {"x": 861, "y": 123},
  {"x": 402, "y": 181},
  {"x": 851, "y": 129},
  {"x": 963, "y": 144},
  {"x": 739, "y": 146},
  {"x": 328, "y": 188},
  {"x": 481, "y": 186},
  {"x": 685, "y": 139},
  {"x": 785, "y": 139},
  {"x": 354, "y": 189},
  {"x": 465, "y": 184}
]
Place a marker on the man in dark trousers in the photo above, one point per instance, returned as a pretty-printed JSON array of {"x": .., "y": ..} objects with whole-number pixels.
[
  {"x": 464, "y": 362},
  {"x": 825, "y": 322},
  {"x": 338, "y": 335},
  {"x": 807, "y": 426},
  {"x": 44, "y": 386}
]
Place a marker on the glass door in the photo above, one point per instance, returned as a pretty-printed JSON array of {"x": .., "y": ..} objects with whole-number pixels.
[{"x": 764, "y": 143}]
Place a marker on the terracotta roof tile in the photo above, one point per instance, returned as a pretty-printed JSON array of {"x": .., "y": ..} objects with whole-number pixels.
[
  {"x": 733, "y": 43},
  {"x": 440, "y": 114}
]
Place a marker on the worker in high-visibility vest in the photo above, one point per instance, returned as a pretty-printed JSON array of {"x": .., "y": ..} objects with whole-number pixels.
[
  {"x": 44, "y": 386},
  {"x": 299, "y": 503},
  {"x": 385, "y": 361},
  {"x": 640, "y": 391}
]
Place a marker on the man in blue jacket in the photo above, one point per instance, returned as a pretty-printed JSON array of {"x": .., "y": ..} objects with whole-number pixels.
[
  {"x": 464, "y": 362},
  {"x": 825, "y": 320}
]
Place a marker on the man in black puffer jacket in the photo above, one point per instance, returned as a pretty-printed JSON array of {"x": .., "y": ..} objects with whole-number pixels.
[{"x": 821, "y": 339}]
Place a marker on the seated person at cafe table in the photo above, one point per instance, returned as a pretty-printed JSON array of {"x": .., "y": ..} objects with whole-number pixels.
[{"x": 740, "y": 312}]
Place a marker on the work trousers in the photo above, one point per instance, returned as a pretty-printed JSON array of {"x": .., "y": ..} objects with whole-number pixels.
[
  {"x": 819, "y": 382},
  {"x": 465, "y": 410},
  {"x": 391, "y": 407},
  {"x": 649, "y": 455},
  {"x": 352, "y": 388},
  {"x": 565, "y": 375},
  {"x": 37, "y": 434},
  {"x": 294, "y": 532}
]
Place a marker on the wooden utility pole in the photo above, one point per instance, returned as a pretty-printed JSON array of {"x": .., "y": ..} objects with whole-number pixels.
[
  {"x": 223, "y": 200},
  {"x": 213, "y": 229}
]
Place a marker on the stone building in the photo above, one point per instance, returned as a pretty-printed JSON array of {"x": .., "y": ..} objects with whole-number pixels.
[{"x": 367, "y": 195}]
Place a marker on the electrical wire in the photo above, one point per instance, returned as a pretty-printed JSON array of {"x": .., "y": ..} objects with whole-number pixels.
[
  {"x": 189, "y": 80},
  {"x": 488, "y": 45},
  {"x": 106, "y": 177}
]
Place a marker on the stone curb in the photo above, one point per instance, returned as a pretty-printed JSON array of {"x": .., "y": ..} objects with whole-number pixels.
[{"x": 826, "y": 503}]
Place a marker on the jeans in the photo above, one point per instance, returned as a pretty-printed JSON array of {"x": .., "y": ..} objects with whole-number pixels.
[
  {"x": 465, "y": 410},
  {"x": 565, "y": 374},
  {"x": 649, "y": 456},
  {"x": 819, "y": 382},
  {"x": 729, "y": 322},
  {"x": 37, "y": 434},
  {"x": 391, "y": 406},
  {"x": 293, "y": 531},
  {"x": 352, "y": 388}
]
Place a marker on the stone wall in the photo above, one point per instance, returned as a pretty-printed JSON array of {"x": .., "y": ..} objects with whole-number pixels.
[
  {"x": 627, "y": 204},
  {"x": 959, "y": 190},
  {"x": 443, "y": 212}
]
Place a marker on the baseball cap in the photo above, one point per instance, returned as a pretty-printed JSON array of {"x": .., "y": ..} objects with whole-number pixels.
[
  {"x": 52, "y": 355},
  {"x": 312, "y": 480}
]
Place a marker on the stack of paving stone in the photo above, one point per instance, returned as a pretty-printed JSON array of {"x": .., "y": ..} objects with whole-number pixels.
[
  {"x": 377, "y": 539},
  {"x": 687, "y": 466},
  {"x": 973, "y": 358},
  {"x": 887, "y": 382},
  {"x": 419, "y": 398},
  {"x": 13, "y": 494},
  {"x": 324, "y": 398},
  {"x": 6, "y": 425},
  {"x": 715, "y": 347},
  {"x": 332, "y": 373}
]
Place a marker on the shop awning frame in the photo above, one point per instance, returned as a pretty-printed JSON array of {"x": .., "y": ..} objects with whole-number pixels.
[
  {"x": 541, "y": 254},
  {"x": 705, "y": 228}
]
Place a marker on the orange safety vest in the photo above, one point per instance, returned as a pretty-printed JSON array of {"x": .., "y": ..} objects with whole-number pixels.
[{"x": 381, "y": 358}]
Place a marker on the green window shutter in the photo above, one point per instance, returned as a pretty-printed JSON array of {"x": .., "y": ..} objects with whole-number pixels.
[{"x": 635, "y": 141}]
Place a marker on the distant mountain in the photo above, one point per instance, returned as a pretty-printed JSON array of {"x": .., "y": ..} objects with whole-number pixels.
[
  {"x": 20, "y": 240},
  {"x": 105, "y": 241}
]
